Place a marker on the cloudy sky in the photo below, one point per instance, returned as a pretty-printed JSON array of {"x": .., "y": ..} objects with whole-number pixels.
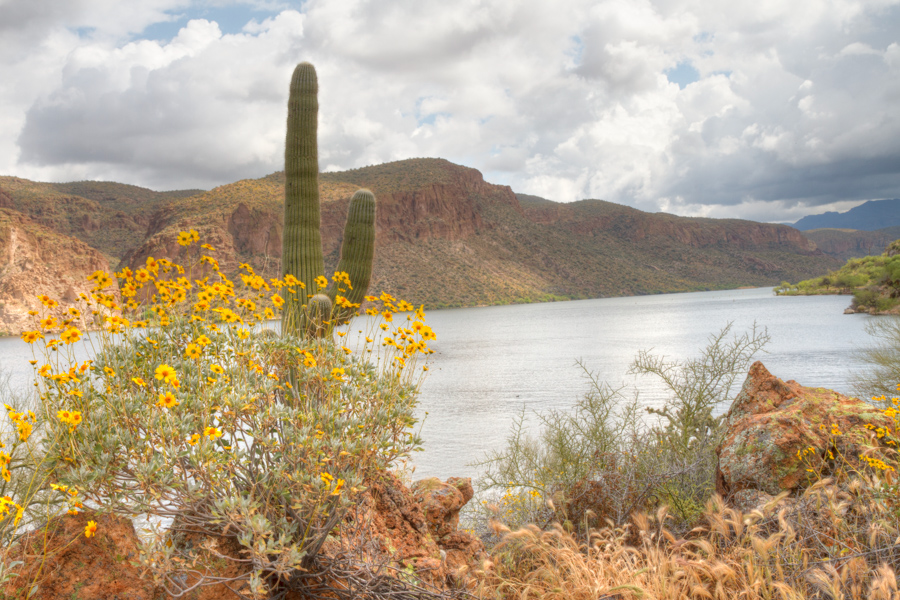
[{"x": 761, "y": 109}]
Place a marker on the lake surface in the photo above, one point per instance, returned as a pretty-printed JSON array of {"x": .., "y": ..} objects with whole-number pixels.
[{"x": 491, "y": 362}]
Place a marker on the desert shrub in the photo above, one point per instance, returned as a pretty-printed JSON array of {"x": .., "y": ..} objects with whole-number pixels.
[
  {"x": 850, "y": 280},
  {"x": 603, "y": 460},
  {"x": 881, "y": 359},
  {"x": 190, "y": 420},
  {"x": 865, "y": 298},
  {"x": 26, "y": 496}
]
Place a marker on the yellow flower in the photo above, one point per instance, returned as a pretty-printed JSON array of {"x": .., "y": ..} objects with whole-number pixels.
[
  {"x": 194, "y": 439},
  {"x": 212, "y": 432},
  {"x": 48, "y": 322},
  {"x": 139, "y": 381},
  {"x": 337, "y": 488},
  {"x": 109, "y": 372},
  {"x": 277, "y": 300},
  {"x": 6, "y": 474},
  {"x": 321, "y": 281},
  {"x": 184, "y": 238},
  {"x": 167, "y": 400},
  {"x": 192, "y": 351},
  {"x": 31, "y": 337},
  {"x": 24, "y": 428},
  {"x": 202, "y": 341},
  {"x": 90, "y": 529},
  {"x": 337, "y": 373},
  {"x": 166, "y": 373},
  {"x": 216, "y": 369},
  {"x": 326, "y": 478},
  {"x": 70, "y": 335}
]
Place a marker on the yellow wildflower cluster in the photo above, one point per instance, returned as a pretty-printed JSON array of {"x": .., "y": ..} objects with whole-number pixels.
[
  {"x": 6, "y": 506},
  {"x": 71, "y": 496},
  {"x": 72, "y": 418},
  {"x": 196, "y": 385},
  {"x": 23, "y": 421}
]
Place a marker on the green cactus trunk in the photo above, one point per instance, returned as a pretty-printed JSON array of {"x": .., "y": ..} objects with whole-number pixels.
[
  {"x": 357, "y": 253},
  {"x": 302, "y": 240}
]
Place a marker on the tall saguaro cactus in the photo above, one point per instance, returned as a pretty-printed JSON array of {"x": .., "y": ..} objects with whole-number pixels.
[{"x": 305, "y": 311}]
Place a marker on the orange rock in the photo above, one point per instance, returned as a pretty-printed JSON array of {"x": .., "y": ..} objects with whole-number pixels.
[
  {"x": 65, "y": 564},
  {"x": 771, "y": 420}
]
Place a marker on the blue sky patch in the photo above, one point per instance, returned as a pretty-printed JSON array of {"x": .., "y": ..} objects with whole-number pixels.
[
  {"x": 683, "y": 74},
  {"x": 576, "y": 52},
  {"x": 231, "y": 19}
]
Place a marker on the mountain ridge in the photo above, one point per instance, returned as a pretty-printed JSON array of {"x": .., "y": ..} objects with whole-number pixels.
[
  {"x": 868, "y": 216},
  {"x": 445, "y": 236}
]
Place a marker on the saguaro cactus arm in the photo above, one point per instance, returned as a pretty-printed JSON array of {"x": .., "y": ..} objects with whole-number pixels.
[{"x": 357, "y": 253}]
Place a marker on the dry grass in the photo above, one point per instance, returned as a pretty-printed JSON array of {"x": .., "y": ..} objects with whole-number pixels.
[{"x": 833, "y": 542}]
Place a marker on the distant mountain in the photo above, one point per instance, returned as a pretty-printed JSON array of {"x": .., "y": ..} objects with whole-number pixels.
[
  {"x": 445, "y": 237},
  {"x": 869, "y": 216},
  {"x": 845, "y": 244}
]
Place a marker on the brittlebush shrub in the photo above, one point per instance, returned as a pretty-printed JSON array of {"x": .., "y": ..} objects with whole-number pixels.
[{"x": 183, "y": 413}]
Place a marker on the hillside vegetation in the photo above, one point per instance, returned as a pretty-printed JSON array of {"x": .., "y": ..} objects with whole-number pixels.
[
  {"x": 110, "y": 217},
  {"x": 874, "y": 282}
]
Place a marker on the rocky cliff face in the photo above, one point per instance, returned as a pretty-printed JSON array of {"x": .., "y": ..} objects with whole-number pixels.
[
  {"x": 592, "y": 217},
  {"x": 845, "y": 244},
  {"x": 35, "y": 260}
]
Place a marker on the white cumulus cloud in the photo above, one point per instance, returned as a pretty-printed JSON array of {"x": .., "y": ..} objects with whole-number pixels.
[{"x": 763, "y": 109}]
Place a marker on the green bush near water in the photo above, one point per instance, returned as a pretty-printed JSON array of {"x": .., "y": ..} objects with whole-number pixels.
[
  {"x": 602, "y": 461},
  {"x": 874, "y": 282}
]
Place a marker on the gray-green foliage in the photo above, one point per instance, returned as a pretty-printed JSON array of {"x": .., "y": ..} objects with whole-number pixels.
[
  {"x": 603, "y": 460},
  {"x": 882, "y": 359},
  {"x": 699, "y": 385}
]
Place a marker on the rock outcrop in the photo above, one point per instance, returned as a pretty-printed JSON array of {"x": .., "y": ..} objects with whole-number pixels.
[
  {"x": 773, "y": 422},
  {"x": 61, "y": 563},
  {"x": 418, "y": 526},
  {"x": 35, "y": 260},
  {"x": 413, "y": 530}
]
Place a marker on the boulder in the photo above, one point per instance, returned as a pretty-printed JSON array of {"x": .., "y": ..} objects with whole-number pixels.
[
  {"x": 63, "y": 564},
  {"x": 773, "y": 422},
  {"x": 441, "y": 502}
]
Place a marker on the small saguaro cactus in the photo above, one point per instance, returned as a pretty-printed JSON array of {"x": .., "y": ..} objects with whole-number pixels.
[{"x": 311, "y": 311}]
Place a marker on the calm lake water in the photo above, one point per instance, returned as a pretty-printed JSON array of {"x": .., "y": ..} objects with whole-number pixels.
[{"x": 491, "y": 362}]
